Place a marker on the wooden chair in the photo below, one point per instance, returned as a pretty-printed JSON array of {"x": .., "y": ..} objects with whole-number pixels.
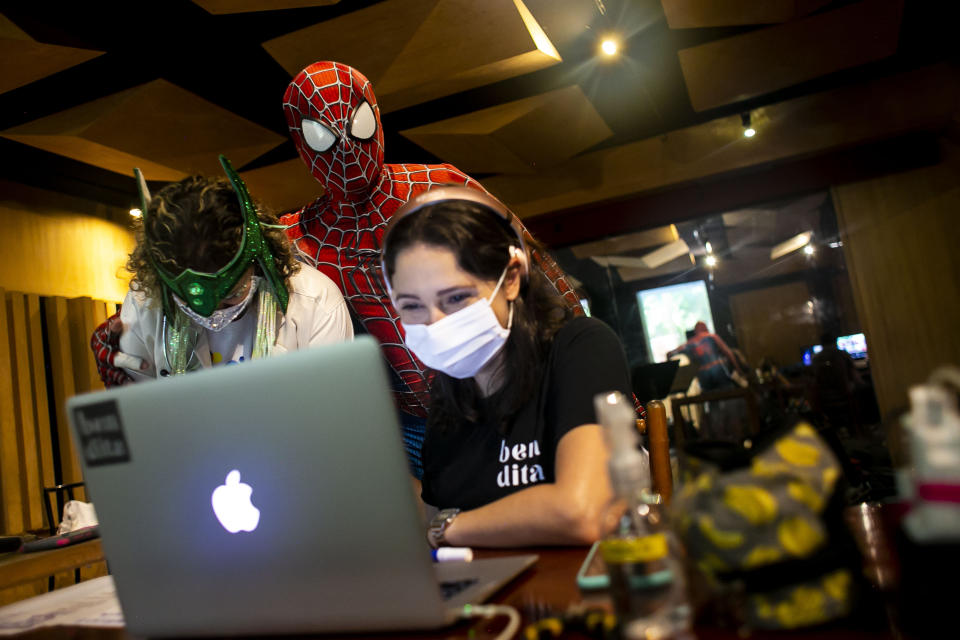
[
  {"x": 751, "y": 423},
  {"x": 59, "y": 494},
  {"x": 655, "y": 426}
]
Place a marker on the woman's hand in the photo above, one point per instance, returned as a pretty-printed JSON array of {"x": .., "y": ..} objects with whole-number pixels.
[{"x": 565, "y": 512}]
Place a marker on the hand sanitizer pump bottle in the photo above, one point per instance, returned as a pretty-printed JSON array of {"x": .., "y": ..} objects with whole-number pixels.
[
  {"x": 642, "y": 555},
  {"x": 934, "y": 428}
]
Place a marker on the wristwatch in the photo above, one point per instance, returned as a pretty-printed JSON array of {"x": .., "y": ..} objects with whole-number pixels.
[{"x": 437, "y": 530}]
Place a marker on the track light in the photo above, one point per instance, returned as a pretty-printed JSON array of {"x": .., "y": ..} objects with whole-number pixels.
[
  {"x": 711, "y": 261},
  {"x": 809, "y": 250},
  {"x": 748, "y": 130},
  {"x": 609, "y": 47},
  {"x": 708, "y": 246}
]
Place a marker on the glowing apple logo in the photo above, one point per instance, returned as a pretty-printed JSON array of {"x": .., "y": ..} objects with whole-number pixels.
[{"x": 232, "y": 506}]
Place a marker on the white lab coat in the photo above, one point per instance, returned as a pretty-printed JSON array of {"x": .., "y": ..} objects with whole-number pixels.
[{"x": 316, "y": 314}]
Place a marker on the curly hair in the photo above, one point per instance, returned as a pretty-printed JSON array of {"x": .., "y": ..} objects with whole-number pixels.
[{"x": 197, "y": 223}]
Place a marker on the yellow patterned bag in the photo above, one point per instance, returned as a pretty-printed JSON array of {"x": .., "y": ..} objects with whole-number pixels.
[{"x": 768, "y": 527}]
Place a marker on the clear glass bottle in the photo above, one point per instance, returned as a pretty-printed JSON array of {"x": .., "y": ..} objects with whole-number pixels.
[{"x": 643, "y": 557}]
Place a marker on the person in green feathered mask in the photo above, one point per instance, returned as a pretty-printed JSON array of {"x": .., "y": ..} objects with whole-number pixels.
[{"x": 215, "y": 281}]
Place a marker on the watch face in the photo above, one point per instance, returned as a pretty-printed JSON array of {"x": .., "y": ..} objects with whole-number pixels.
[{"x": 439, "y": 524}]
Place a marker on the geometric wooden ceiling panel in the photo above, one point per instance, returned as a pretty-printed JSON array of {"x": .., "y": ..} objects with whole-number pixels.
[
  {"x": 516, "y": 137},
  {"x": 283, "y": 186},
  {"x": 759, "y": 62},
  {"x": 467, "y": 44},
  {"x": 753, "y": 218},
  {"x": 626, "y": 243},
  {"x": 564, "y": 21},
  {"x": 24, "y": 60},
  {"x": 245, "y": 6},
  {"x": 632, "y": 269},
  {"x": 917, "y": 100},
  {"x": 749, "y": 263},
  {"x": 165, "y": 130},
  {"x": 768, "y": 218},
  {"x": 697, "y": 14},
  {"x": 764, "y": 228}
]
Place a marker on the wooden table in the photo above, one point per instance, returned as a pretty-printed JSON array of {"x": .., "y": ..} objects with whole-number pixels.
[
  {"x": 21, "y": 568},
  {"x": 549, "y": 587}
]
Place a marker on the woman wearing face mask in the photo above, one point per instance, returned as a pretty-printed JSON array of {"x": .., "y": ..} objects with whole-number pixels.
[
  {"x": 512, "y": 455},
  {"x": 214, "y": 282}
]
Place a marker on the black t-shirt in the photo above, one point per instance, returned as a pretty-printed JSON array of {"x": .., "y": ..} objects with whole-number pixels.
[{"x": 468, "y": 466}]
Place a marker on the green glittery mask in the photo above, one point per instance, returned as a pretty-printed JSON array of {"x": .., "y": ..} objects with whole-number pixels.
[{"x": 203, "y": 292}]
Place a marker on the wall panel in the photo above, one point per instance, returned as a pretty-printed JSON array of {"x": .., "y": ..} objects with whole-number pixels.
[
  {"x": 774, "y": 322},
  {"x": 55, "y": 245},
  {"x": 34, "y": 442},
  {"x": 900, "y": 242}
]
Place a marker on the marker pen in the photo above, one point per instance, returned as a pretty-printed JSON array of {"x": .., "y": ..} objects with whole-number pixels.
[
  {"x": 452, "y": 554},
  {"x": 62, "y": 540}
]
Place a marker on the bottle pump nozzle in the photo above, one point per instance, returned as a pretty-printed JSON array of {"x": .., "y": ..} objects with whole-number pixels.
[{"x": 629, "y": 467}]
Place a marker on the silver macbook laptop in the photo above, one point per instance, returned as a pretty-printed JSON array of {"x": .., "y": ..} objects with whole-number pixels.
[{"x": 267, "y": 497}]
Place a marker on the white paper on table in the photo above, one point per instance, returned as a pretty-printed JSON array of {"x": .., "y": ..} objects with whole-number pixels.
[{"x": 89, "y": 604}]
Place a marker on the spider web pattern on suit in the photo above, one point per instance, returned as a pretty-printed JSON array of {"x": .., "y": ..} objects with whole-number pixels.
[
  {"x": 325, "y": 94},
  {"x": 342, "y": 240}
]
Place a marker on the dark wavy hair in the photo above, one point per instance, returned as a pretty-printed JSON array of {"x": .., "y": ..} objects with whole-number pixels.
[
  {"x": 480, "y": 240},
  {"x": 197, "y": 223}
]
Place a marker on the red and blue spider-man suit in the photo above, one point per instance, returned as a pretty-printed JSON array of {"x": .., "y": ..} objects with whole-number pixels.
[{"x": 334, "y": 121}]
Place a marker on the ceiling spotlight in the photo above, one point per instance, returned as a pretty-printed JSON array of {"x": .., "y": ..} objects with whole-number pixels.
[
  {"x": 748, "y": 130},
  {"x": 609, "y": 47},
  {"x": 711, "y": 261},
  {"x": 135, "y": 213},
  {"x": 708, "y": 247},
  {"x": 809, "y": 250}
]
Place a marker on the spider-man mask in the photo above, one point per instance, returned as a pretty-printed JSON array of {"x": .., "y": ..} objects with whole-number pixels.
[{"x": 335, "y": 122}]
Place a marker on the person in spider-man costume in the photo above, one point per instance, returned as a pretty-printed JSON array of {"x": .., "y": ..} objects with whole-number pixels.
[{"x": 334, "y": 120}]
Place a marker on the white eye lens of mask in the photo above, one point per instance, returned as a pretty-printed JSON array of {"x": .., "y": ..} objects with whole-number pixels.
[
  {"x": 364, "y": 123},
  {"x": 317, "y": 136}
]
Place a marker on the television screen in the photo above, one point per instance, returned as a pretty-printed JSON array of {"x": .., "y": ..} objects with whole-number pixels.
[
  {"x": 669, "y": 312},
  {"x": 855, "y": 344},
  {"x": 809, "y": 352}
]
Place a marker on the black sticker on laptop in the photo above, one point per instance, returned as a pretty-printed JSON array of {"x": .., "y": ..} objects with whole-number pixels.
[{"x": 102, "y": 440}]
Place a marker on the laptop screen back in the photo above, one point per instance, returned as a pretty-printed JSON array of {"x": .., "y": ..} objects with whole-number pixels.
[{"x": 271, "y": 496}]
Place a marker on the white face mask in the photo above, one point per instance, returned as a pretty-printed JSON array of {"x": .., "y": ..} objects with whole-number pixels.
[
  {"x": 220, "y": 318},
  {"x": 462, "y": 342}
]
